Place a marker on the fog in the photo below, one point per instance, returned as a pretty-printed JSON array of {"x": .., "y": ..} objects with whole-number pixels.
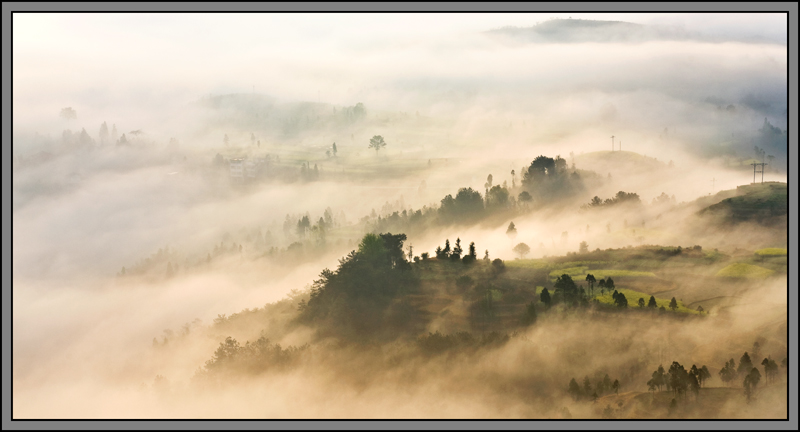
[{"x": 131, "y": 242}]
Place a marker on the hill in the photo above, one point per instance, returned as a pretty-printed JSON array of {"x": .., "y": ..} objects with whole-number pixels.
[
  {"x": 617, "y": 161},
  {"x": 581, "y": 30},
  {"x": 765, "y": 203}
]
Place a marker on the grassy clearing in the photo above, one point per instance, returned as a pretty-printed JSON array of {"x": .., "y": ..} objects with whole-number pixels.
[
  {"x": 742, "y": 270},
  {"x": 528, "y": 264},
  {"x": 771, "y": 252},
  {"x": 573, "y": 272},
  {"x": 600, "y": 274},
  {"x": 634, "y": 296}
]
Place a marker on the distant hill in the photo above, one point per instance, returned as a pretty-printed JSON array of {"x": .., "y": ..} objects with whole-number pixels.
[
  {"x": 761, "y": 202},
  {"x": 608, "y": 161},
  {"x": 580, "y": 30}
]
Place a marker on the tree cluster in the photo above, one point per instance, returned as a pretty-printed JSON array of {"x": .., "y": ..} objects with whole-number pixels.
[
  {"x": 587, "y": 392},
  {"x": 356, "y": 300},
  {"x": 620, "y": 198},
  {"x": 456, "y": 253}
]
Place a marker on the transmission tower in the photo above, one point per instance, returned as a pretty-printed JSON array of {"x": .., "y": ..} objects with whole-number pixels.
[{"x": 756, "y": 170}]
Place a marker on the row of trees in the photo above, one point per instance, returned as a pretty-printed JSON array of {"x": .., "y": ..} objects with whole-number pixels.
[
  {"x": 678, "y": 380},
  {"x": 620, "y": 198},
  {"x": 586, "y": 391},
  {"x": 455, "y": 254},
  {"x": 748, "y": 372}
]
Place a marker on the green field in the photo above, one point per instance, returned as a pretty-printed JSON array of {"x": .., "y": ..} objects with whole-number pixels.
[
  {"x": 581, "y": 272},
  {"x": 742, "y": 270},
  {"x": 771, "y": 252},
  {"x": 634, "y": 296}
]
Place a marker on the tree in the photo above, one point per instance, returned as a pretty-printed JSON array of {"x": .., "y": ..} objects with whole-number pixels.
[
  {"x": 751, "y": 381},
  {"x": 522, "y": 249},
  {"x": 377, "y": 143},
  {"x": 745, "y": 365},
  {"x": 641, "y": 302},
  {"x": 574, "y": 389},
  {"x": 583, "y": 247},
  {"x": 225, "y": 139},
  {"x": 659, "y": 377},
  {"x": 104, "y": 134},
  {"x": 615, "y": 386},
  {"x": 770, "y": 368},
  {"x": 467, "y": 204},
  {"x": 498, "y": 265},
  {"x": 471, "y": 257},
  {"x": 673, "y": 304},
  {"x": 651, "y": 386},
  {"x": 566, "y": 289},
  {"x": 703, "y": 374},
  {"x": 621, "y": 301},
  {"x": 446, "y": 250},
  {"x": 756, "y": 350},
  {"x": 602, "y": 286},
  {"x": 511, "y": 232},
  {"x": 68, "y": 113},
  {"x": 587, "y": 386},
  {"x": 457, "y": 251},
  {"x": 728, "y": 372},
  {"x": 609, "y": 283},
  {"x": 544, "y": 297},
  {"x": 524, "y": 197},
  {"x": 497, "y": 197},
  {"x": 486, "y": 255},
  {"x": 334, "y": 150},
  {"x": 678, "y": 379},
  {"x": 591, "y": 280}
]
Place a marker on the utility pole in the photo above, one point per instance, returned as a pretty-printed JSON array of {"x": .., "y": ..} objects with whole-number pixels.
[
  {"x": 612, "y": 143},
  {"x": 755, "y": 170}
]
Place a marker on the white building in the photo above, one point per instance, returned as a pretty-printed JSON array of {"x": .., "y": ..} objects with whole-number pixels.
[
  {"x": 237, "y": 169},
  {"x": 246, "y": 168}
]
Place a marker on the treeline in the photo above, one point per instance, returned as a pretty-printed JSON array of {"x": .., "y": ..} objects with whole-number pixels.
[
  {"x": 682, "y": 382},
  {"x": 231, "y": 358},
  {"x": 587, "y": 392},
  {"x": 545, "y": 182}
]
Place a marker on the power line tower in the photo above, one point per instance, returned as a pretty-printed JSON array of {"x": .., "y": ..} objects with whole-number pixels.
[
  {"x": 756, "y": 170},
  {"x": 612, "y": 143}
]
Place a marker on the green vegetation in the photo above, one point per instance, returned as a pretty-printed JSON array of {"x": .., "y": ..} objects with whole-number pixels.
[
  {"x": 760, "y": 202},
  {"x": 771, "y": 252},
  {"x": 742, "y": 270},
  {"x": 634, "y": 296}
]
